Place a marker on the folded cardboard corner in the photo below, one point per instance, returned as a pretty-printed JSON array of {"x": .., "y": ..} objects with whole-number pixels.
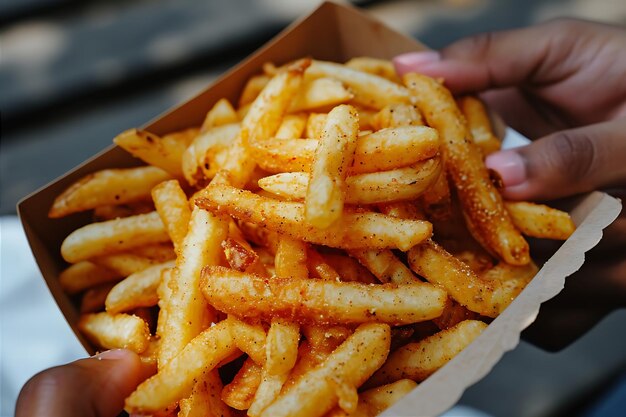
[{"x": 337, "y": 33}]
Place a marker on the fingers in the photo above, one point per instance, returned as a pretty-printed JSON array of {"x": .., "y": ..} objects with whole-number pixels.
[
  {"x": 565, "y": 163},
  {"x": 95, "y": 386},
  {"x": 500, "y": 59}
]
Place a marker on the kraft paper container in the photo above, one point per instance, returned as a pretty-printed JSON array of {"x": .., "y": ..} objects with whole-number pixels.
[{"x": 336, "y": 33}]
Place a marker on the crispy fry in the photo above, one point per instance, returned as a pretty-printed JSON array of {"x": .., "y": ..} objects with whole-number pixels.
[
  {"x": 176, "y": 378},
  {"x": 124, "y": 264},
  {"x": 164, "y": 152},
  {"x": 106, "y": 187},
  {"x": 384, "y": 265},
  {"x": 320, "y": 268},
  {"x": 120, "y": 331},
  {"x": 376, "y": 400},
  {"x": 326, "y": 302},
  {"x": 378, "y": 187},
  {"x": 253, "y": 88},
  {"x": 137, "y": 290},
  {"x": 479, "y": 124},
  {"x": 538, "y": 220},
  {"x": 345, "y": 370},
  {"x": 323, "y": 204},
  {"x": 353, "y": 230},
  {"x": 292, "y": 126},
  {"x": 84, "y": 274},
  {"x": 240, "y": 256},
  {"x": 115, "y": 211},
  {"x": 173, "y": 207},
  {"x": 263, "y": 120},
  {"x": 205, "y": 399},
  {"x": 189, "y": 313},
  {"x": 240, "y": 392},
  {"x": 379, "y": 151},
  {"x": 482, "y": 204},
  {"x": 483, "y": 296},
  {"x": 381, "y": 67},
  {"x": 453, "y": 314},
  {"x": 417, "y": 361},
  {"x": 104, "y": 238},
  {"x": 319, "y": 93},
  {"x": 369, "y": 90},
  {"x": 222, "y": 113},
  {"x": 250, "y": 338},
  {"x": 395, "y": 115},
  {"x": 349, "y": 269}
]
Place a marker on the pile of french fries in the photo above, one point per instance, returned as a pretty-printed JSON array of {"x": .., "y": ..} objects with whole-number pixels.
[{"x": 316, "y": 251}]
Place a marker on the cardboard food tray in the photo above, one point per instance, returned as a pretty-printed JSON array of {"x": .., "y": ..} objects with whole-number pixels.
[{"x": 336, "y": 33}]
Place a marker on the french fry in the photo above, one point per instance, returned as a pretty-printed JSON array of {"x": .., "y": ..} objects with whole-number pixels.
[
  {"x": 369, "y": 90},
  {"x": 320, "y": 92},
  {"x": 164, "y": 152},
  {"x": 189, "y": 313},
  {"x": 400, "y": 184},
  {"x": 137, "y": 290},
  {"x": 381, "y": 67},
  {"x": 349, "y": 269},
  {"x": 173, "y": 207},
  {"x": 482, "y": 204},
  {"x": 124, "y": 263},
  {"x": 319, "y": 268},
  {"x": 207, "y": 151},
  {"x": 157, "y": 252},
  {"x": 107, "y": 187},
  {"x": 239, "y": 394},
  {"x": 120, "y": 331},
  {"x": 253, "y": 88},
  {"x": 263, "y": 120},
  {"x": 115, "y": 211},
  {"x": 338, "y": 378},
  {"x": 541, "y": 221},
  {"x": 176, "y": 378},
  {"x": 205, "y": 399},
  {"x": 84, "y": 274},
  {"x": 242, "y": 257},
  {"x": 112, "y": 236},
  {"x": 395, "y": 115},
  {"x": 379, "y": 151},
  {"x": 323, "y": 204},
  {"x": 419, "y": 360},
  {"x": 384, "y": 265},
  {"x": 249, "y": 338},
  {"x": 326, "y": 302},
  {"x": 453, "y": 314},
  {"x": 376, "y": 400},
  {"x": 292, "y": 126},
  {"x": 222, "y": 113},
  {"x": 315, "y": 125},
  {"x": 479, "y": 124},
  {"x": 353, "y": 230},
  {"x": 483, "y": 296}
]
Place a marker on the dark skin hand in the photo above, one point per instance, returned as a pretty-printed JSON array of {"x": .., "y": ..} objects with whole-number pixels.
[
  {"x": 561, "y": 84},
  {"x": 92, "y": 387}
]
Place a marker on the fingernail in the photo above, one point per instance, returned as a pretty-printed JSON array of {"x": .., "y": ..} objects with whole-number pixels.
[
  {"x": 510, "y": 165},
  {"x": 113, "y": 354},
  {"x": 414, "y": 60}
]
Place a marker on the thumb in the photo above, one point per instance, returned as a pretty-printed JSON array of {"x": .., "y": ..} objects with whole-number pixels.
[
  {"x": 95, "y": 386},
  {"x": 564, "y": 163}
]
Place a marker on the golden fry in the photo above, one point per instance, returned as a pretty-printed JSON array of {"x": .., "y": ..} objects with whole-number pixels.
[
  {"x": 479, "y": 124},
  {"x": 173, "y": 207},
  {"x": 222, "y": 113},
  {"x": 119, "y": 331},
  {"x": 84, "y": 274},
  {"x": 538, "y": 220},
  {"x": 240, "y": 392}
]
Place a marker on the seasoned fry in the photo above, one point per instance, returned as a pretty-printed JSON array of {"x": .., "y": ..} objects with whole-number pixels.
[
  {"x": 205, "y": 399},
  {"x": 353, "y": 230},
  {"x": 376, "y": 400},
  {"x": 82, "y": 275},
  {"x": 262, "y": 120},
  {"x": 176, "y": 378},
  {"x": 349, "y": 269},
  {"x": 119, "y": 331},
  {"x": 326, "y": 302},
  {"x": 124, "y": 263},
  {"x": 137, "y": 290},
  {"x": 253, "y": 88},
  {"x": 538, "y": 220},
  {"x": 395, "y": 115},
  {"x": 342, "y": 373},
  {"x": 479, "y": 124},
  {"x": 240, "y": 392},
  {"x": 292, "y": 126},
  {"x": 378, "y": 187},
  {"x": 323, "y": 204},
  {"x": 164, "y": 152},
  {"x": 111, "y": 212},
  {"x": 369, "y": 90},
  {"x": 189, "y": 313},
  {"x": 381, "y": 67},
  {"x": 417, "y": 361},
  {"x": 250, "y": 338},
  {"x": 319, "y": 268},
  {"x": 385, "y": 266},
  {"x": 483, "y": 296},
  {"x": 320, "y": 92},
  {"x": 104, "y": 238},
  {"x": 222, "y": 113},
  {"x": 173, "y": 207},
  {"x": 487, "y": 218},
  {"x": 379, "y": 151},
  {"x": 106, "y": 187}
]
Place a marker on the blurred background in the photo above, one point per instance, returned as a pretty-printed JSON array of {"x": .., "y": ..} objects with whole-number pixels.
[{"x": 74, "y": 73}]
